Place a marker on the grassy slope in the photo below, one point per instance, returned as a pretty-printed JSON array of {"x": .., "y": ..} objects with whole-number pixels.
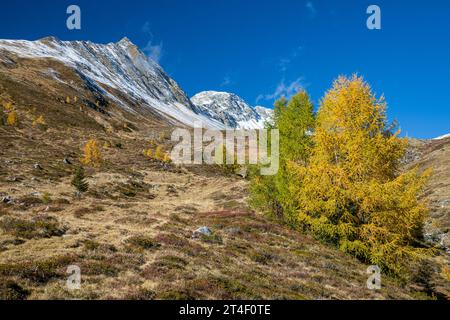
[
  {"x": 131, "y": 233},
  {"x": 436, "y": 155}
]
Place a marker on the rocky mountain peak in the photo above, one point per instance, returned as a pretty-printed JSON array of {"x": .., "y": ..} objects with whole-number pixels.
[{"x": 231, "y": 110}]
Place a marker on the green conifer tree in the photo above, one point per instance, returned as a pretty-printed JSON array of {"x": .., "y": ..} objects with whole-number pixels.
[
  {"x": 79, "y": 181},
  {"x": 295, "y": 121}
]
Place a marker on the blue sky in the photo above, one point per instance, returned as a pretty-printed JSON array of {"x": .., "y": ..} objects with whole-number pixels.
[{"x": 260, "y": 49}]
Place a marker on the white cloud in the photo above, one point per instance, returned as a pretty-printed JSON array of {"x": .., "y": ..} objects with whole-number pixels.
[
  {"x": 226, "y": 81},
  {"x": 284, "y": 62},
  {"x": 146, "y": 28},
  {"x": 154, "y": 52},
  {"x": 283, "y": 89},
  {"x": 311, "y": 8}
]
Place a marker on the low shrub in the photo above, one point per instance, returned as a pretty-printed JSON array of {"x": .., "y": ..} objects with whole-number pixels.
[{"x": 41, "y": 227}]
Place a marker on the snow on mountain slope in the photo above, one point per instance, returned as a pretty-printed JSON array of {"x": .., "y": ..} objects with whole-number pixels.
[
  {"x": 231, "y": 110},
  {"x": 121, "y": 66},
  {"x": 442, "y": 137},
  {"x": 264, "y": 112}
]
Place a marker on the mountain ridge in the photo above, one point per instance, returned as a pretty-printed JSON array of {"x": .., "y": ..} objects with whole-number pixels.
[{"x": 120, "y": 66}]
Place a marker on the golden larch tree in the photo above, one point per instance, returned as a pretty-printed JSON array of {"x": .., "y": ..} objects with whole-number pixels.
[
  {"x": 12, "y": 119},
  {"x": 91, "y": 154},
  {"x": 148, "y": 153},
  {"x": 8, "y": 106},
  {"x": 159, "y": 153},
  {"x": 353, "y": 193},
  {"x": 39, "y": 121}
]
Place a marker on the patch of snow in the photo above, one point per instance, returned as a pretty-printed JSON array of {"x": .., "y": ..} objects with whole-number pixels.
[{"x": 442, "y": 137}]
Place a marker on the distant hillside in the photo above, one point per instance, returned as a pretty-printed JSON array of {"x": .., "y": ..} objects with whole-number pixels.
[{"x": 435, "y": 154}]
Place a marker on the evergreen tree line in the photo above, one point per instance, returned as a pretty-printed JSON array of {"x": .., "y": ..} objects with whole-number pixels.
[{"x": 341, "y": 180}]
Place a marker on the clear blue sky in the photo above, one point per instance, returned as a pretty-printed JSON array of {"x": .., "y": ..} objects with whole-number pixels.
[{"x": 254, "y": 47}]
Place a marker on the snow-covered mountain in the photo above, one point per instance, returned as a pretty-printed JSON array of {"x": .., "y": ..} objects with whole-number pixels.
[
  {"x": 231, "y": 110},
  {"x": 126, "y": 70}
]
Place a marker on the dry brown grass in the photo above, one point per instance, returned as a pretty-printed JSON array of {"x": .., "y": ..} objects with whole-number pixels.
[{"x": 131, "y": 232}]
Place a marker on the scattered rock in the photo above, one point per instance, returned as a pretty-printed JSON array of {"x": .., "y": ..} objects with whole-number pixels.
[
  {"x": 242, "y": 172},
  {"x": 444, "y": 203},
  {"x": 205, "y": 231},
  {"x": 7, "y": 200},
  {"x": 172, "y": 190},
  {"x": 151, "y": 196},
  {"x": 154, "y": 186},
  {"x": 233, "y": 231}
]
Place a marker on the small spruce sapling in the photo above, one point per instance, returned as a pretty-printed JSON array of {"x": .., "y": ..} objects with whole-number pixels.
[{"x": 79, "y": 180}]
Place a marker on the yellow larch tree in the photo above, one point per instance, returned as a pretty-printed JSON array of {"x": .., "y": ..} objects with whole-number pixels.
[
  {"x": 12, "y": 119},
  {"x": 8, "y": 106},
  {"x": 91, "y": 154},
  {"x": 148, "y": 153},
  {"x": 353, "y": 193},
  {"x": 39, "y": 121},
  {"x": 159, "y": 153},
  {"x": 166, "y": 158}
]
